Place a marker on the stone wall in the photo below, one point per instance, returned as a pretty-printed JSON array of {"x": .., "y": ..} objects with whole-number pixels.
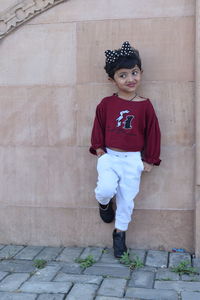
[{"x": 51, "y": 80}]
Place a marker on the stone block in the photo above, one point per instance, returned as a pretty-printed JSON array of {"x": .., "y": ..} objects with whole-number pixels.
[
  {"x": 137, "y": 253},
  {"x": 89, "y": 279},
  {"x": 49, "y": 253},
  {"x": 190, "y": 295},
  {"x": 17, "y": 296},
  {"x": 71, "y": 268},
  {"x": 90, "y": 59},
  {"x": 142, "y": 279},
  {"x": 151, "y": 294},
  {"x": 178, "y": 286},
  {"x": 157, "y": 259},
  {"x": 38, "y": 116},
  {"x": 129, "y": 9},
  {"x": 69, "y": 254},
  {"x": 46, "y": 287},
  {"x": 108, "y": 256},
  {"x": 3, "y": 274},
  {"x": 10, "y": 251},
  {"x": 54, "y": 59},
  {"x": 13, "y": 281},
  {"x": 176, "y": 258},
  {"x": 29, "y": 252},
  {"x": 108, "y": 270},
  {"x": 45, "y": 274},
  {"x": 95, "y": 252},
  {"x": 166, "y": 274},
  {"x": 87, "y": 291},
  {"x": 15, "y": 265},
  {"x": 51, "y": 297},
  {"x": 112, "y": 287}
]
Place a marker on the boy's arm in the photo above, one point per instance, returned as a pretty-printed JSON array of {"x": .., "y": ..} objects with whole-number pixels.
[
  {"x": 151, "y": 153},
  {"x": 98, "y": 132}
]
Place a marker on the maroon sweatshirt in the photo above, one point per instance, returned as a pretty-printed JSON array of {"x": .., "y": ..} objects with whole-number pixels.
[{"x": 127, "y": 125}]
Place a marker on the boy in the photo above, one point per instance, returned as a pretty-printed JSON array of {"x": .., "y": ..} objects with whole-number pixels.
[{"x": 126, "y": 140}]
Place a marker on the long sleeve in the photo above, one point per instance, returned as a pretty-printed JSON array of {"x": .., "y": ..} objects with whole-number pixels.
[
  {"x": 98, "y": 131},
  {"x": 151, "y": 153}
]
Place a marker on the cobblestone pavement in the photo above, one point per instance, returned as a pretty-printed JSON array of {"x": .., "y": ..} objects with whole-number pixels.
[{"x": 107, "y": 279}]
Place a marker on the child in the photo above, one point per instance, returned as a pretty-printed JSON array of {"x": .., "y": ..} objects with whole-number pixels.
[{"x": 126, "y": 140}]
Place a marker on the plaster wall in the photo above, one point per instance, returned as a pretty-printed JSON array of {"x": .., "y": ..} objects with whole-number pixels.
[{"x": 51, "y": 80}]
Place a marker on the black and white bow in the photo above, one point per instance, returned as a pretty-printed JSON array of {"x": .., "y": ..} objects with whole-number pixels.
[{"x": 113, "y": 55}]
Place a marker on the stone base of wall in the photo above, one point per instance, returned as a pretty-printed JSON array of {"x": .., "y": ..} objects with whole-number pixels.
[{"x": 150, "y": 229}]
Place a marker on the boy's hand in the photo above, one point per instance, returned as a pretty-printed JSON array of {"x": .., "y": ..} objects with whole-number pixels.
[
  {"x": 99, "y": 152},
  {"x": 147, "y": 167}
]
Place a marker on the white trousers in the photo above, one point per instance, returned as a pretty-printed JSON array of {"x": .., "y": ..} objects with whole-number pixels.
[{"x": 119, "y": 174}]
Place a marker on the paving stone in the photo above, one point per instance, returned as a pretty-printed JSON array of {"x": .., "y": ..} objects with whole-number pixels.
[
  {"x": 178, "y": 286},
  {"x": 176, "y": 258},
  {"x": 190, "y": 295},
  {"x": 87, "y": 291},
  {"x": 49, "y": 253},
  {"x": 10, "y": 251},
  {"x": 46, "y": 287},
  {"x": 114, "y": 298},
  {"x": 3, "y": 274},
  {"x": 29, "y": 252},
  {"x": 158, "y": 259},
  {"x": 112, "y": 287},
  {"x": 45, "y": 274},
  {"x": 166, "y": 274},
  {"x": 143, "y": 279},
  {"x": 190, "y": 277},
  {"x": 69, "y": 254},
  {"x": 108, "y": 256},
  {"x": 17, "y": 266},
  {"x": 51, "y": 297},
  {"x": 17, "y": 296},
  {"x": 196, "y": 264},
  {"x": 72, "y": 269},
  {"x": 141, "y": 254},
  {"x": 149, "y": 269},
  {"x": 96, "y": 252},
  {"x": 108, "y": 270},
  {"x": 13, "y": 281},
  {"x": 151, "y": 294},
  {"x": 78, "y": 278}
]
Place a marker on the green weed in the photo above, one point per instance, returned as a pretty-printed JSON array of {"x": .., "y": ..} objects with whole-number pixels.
[
  {"x": 40, "y": 263},
  {"x": 184, "y": 268},
  {"x": 135, "y": 263},
  {"x": 87, "y": 262}
]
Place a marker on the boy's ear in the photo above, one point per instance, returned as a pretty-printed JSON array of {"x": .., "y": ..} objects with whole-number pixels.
[{"x": 111, "y": 79}]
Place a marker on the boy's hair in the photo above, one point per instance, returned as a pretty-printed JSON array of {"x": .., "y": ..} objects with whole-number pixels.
[{"x": 126, "y": 57}]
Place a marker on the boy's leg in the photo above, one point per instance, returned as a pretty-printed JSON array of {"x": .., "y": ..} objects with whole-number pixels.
[
  {"x": 129, "y": 168},
  {"x": 107, "y": 180},
  {"x": 106, "y": 187},
  {"x": 127, "y": 190}
]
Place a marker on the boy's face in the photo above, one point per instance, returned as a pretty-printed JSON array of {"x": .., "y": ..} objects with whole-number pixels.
[{"x": 127, "y": 80}]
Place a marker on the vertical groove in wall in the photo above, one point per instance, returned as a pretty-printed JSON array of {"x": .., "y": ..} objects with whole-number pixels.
[{"x": 197, "y": 119}]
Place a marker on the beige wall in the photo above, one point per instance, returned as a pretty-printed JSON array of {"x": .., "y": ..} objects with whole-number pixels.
[{"x": 51, "y": 80}]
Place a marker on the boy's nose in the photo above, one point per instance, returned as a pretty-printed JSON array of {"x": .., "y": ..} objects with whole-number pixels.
[{"x": 131, "y": 78}]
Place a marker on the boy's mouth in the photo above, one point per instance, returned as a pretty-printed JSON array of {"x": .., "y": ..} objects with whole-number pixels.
[{"x": 131, "y": 84}]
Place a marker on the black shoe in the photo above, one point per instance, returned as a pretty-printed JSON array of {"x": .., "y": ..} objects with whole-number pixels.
[
  {"x": 119, "y": 243},
  {"x": 106, "y": 212}
]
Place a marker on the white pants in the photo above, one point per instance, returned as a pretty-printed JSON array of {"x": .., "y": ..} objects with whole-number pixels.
[{"x": 119, "y": 174}]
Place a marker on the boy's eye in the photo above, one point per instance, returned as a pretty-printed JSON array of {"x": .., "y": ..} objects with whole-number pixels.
[
  {"x": 135, "y": 73},
  {"x": 122, "y": 75}
]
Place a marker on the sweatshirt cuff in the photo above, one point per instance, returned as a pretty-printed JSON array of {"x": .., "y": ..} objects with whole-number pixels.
[{"x": 152, "y": 161}]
